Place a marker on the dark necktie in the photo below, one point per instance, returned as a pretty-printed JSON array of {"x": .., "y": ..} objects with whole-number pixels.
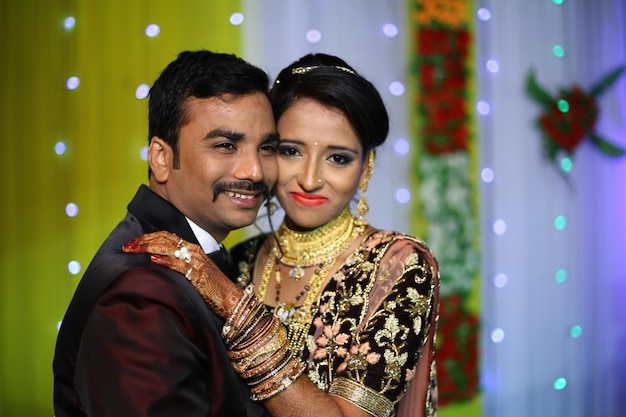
[{"x": 223, "y": 260}]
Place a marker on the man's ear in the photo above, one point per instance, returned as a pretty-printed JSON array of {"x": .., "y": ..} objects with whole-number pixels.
[{"x": 159, "y": 158}]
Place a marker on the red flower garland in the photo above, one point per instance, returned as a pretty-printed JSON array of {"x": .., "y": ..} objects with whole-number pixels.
[
  {"x": 443, "y": 84},
  {"x": 457, "y": 351}
]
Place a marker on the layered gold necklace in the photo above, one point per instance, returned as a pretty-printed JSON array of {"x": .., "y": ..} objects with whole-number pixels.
[{"x": 320, "y": 247}]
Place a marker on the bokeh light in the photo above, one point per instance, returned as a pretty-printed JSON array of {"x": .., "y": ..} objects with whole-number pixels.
[
  {"x": 560, "y": 384},
  {"x": 401, "y": 146},
  {"x": 313, "y": 36},
  {"x": 72, "y": 83},
  {"x": 236, "y": 19},
  {"x": 500, "y": 281},
  {"x": 483, "y": 108},
  {"x": 142, "y": 91},
  {"x": 152, "y": 30},
  {"x": 69, "y": 22},
  {"x": 71, "y": 209},
  {"x": 483, "y": 14},
  {"x": 403, "y": 195},
  {"x": 487, "y": 175},
  {"x": 390, "y": 30},
  {"x": 560, "y": 222},
  {"x": 560, "y": 276},
  {"x": 497, "y": 335},
  {"x": 60, "y": 148},
  {"x": 499, "y": 227},
  {"x": 74, "y": 267},
  {"x": 396, "y": 88}
]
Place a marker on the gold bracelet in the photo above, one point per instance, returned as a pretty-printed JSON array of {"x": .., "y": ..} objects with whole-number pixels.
[
  {"x": 253, "y": 311},
  {"x": 253, "y": 332},
  {"x": 363, "y": 397},
  {"x": 260, "y": 340},
  {"x": 244, "y": 315},
  {"x": 258, "y": 348},
  {"x": 248, "y": 293},
  {"x": 281, "y": 385},
  {"x": 273, "y": 377},
  {"x": 276, "y": 341},
  {"x": 254, "y": 322},
  {"x": 270, "y": 362}
]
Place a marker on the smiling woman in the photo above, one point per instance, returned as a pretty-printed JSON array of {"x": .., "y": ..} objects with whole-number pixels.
[{"x": 320, "y": 162}]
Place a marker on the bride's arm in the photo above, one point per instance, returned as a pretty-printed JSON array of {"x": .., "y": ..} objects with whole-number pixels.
[{"x": 300, "y": 397}]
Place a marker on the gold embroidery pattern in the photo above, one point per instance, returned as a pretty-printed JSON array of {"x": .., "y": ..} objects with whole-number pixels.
[{"x": 379, "y": 355}]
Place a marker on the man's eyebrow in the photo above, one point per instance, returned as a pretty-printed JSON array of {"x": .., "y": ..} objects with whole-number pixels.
[
  {"x": 227, "y": 134},
  {"x": 236, "y": 136},
  {"x": 271, "y": 137}
]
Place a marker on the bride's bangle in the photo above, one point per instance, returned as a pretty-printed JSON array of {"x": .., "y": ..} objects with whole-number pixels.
[{"x": 257, "y": 347}]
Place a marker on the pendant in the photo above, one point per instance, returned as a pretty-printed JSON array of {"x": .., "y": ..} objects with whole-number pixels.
[
  {"x": 284, "y": 312},
  {"x": 296, "y": 272}
]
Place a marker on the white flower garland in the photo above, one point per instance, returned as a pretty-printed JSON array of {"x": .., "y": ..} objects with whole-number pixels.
[{"x": 445, "y": 198}]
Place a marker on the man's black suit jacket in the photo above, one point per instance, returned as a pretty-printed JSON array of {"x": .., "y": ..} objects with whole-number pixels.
[{"x": 138, "y": 340}]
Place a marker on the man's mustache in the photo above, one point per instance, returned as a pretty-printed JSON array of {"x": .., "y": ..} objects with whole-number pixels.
[{"x": 243, "y": 185}]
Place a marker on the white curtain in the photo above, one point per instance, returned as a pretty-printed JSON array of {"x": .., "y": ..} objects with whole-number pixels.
[{"x": 529, "y": 317}]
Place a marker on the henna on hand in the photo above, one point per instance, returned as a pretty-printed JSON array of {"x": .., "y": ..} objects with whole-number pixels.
[{"x": 220, "y": 294}]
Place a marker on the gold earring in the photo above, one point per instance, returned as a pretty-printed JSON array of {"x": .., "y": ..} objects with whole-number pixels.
[
  {"x": 271, "y": 206},
  {"x": 362, "y": 208}
]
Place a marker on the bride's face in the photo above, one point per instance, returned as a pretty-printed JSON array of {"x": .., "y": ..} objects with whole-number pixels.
[{"x": 320, "y": 164}]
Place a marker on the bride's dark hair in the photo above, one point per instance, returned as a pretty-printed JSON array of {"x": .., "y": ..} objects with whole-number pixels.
[{"x": 330, "y": 81}]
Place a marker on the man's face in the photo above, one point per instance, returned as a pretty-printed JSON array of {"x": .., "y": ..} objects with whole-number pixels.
[{"x": 227, "y": 162}]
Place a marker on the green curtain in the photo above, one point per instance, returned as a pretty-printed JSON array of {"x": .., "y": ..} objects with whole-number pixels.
[{"x": 104, "y": 127}]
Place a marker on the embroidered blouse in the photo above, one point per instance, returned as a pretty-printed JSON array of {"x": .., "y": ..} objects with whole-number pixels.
[{"x": 371, "y": 322}]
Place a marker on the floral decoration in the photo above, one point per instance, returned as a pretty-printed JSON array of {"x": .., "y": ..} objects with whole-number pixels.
[
  {"x": 445, "y": 200},
  {"x": 457, "y": 351},
  {"x": 447, "y": 13},
  {"x": 570, "y": 116},
  {"x": 443, "y": 89},
  {"x": 443, "y": 169}
]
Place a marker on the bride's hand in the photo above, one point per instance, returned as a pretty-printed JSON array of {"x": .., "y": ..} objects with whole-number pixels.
[{"x": 173, "y": 252}]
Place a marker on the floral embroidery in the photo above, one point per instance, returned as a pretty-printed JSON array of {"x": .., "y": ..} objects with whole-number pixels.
[
  {"x": 377, "y": 349},
  {"x": 409, "y": 374}
]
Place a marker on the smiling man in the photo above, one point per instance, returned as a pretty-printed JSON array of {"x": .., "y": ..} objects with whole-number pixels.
[{"x": 137, "y": 340}]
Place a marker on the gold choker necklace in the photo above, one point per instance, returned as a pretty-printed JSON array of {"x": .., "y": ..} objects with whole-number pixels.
[{"x": 315, "y": 247}]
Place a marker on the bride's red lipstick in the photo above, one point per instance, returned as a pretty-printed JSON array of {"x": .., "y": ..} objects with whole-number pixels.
[{"x": 308, "y": 199}]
